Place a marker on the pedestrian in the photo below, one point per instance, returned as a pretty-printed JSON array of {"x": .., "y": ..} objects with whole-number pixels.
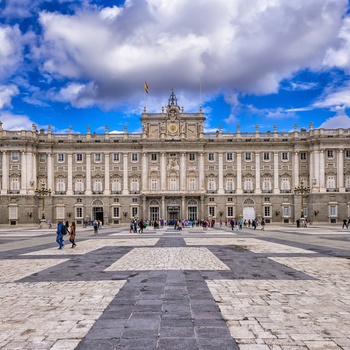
[
  {"x": 61, "y": 229},
  {"x": 345, "y": 224},
  {"x": 72, "y": 235},
  {"x": 298, "y": 223},
  {"x": 95, "y": 226},
  {"x": 263, "y": 224}
]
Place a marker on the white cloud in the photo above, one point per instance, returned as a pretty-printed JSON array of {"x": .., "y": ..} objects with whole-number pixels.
[
  {"x": 334, "y": 99},
  {"x": 6, "y": 94},
  {"x": 340, "y": 120},
  {"x": 13, "y": 122},
  {"x": 227, "y": 44}
]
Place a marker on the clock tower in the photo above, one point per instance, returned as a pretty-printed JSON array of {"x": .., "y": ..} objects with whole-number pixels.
[{"x": 172, "y": 123}]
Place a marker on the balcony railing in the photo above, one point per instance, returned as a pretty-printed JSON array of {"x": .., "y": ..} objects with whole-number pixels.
[
  {"x": 332, "y": 189},
  {"x": 60, "y": 192},
  {"x": 212, "y": 191},
  {"x": 286, "y": 191},
  {"x": 266, "y": 191},
  {"x": 134, "y": 192},
  {"x": 116, "y": 192},
  {"x": 248, "y": 191},
  {"x": 79, "y": 192},
  {"x": 97, "y": 192},
  {"x": 13, "y": 192},
  {"x": 230, "y": 191}
]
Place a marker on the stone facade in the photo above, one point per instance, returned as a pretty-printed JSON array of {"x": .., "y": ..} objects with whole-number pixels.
[{"x": 172, "y": 170}]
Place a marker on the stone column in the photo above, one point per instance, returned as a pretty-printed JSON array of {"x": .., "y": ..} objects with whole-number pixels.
[
  {"x": 70, "y": 175},
  {"x": 107, "y": 189},
  {"x": 340, "y": 169},
  {"x": 162, "y": 214},
  {"x": 276, "y": 185},
  {"x": 312, "y": 167},
  {"x": 32, "y": 173},
  {"x": 239, "y": 173},
  {"x": 144, "y": 172},
  {"x": 125, "y": 174},
  {"x": 316, "y": 173},
  {"x": 50, "y": 177},
  {"x": 162, "y": 172},
  {"x": 202, "y": 214},
  {"x": 295, "y": 169},
  {"x": 5, "y": 173},
  {"x": 88, "y": 174},
  {"x": 221, "y": 174},
  {"x": 201, "y": 172},
  {"x": 23, "y": 173},
  {"x": 257, "y": 173},
  {"x": 144, "y": 208},
  {"x": 183, "y": 207},
  {"x": 322, "y": 172},
  {"x": 183, "y": 172}
]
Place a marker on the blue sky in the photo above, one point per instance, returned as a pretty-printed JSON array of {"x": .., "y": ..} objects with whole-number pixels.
[{"x": 78, "y": 63}]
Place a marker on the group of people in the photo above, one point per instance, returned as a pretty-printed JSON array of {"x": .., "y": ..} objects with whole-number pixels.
[
  {"x": 64, "y": 229},
  {"x": 250, "y": 223}
]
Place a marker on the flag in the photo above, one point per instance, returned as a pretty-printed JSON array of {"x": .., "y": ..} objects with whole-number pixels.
[{"x": 146, "y": 88}]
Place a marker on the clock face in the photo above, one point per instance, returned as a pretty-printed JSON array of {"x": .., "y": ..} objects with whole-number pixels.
[{"x": 172, "y": 128}]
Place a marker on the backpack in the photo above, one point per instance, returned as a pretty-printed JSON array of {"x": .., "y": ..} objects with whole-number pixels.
[{"x": 63, "y": 230}]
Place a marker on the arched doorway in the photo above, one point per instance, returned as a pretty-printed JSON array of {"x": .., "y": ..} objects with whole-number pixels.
[
  {"x": 249, "y": 210},
  {"x": 154, "y": 210},
  {"x": 173, "y": 210}
]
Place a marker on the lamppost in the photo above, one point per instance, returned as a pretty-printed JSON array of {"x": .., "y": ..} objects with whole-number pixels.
[
  {"x": 302, "y": 190},
  {"x": 41, "y": 193}
]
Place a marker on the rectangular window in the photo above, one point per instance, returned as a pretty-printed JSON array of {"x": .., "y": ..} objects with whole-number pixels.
[
  {"x": 212, "y": 211},
  {"x": 15, "y": 156},
  {"x": 60, "y": 158},
  {"x": 115, "y": 157},
  {"x": 333, "y": 210},
  {"x": 267, "y": 211},
  {"x": 330, "y": 153},
  {"x": 134, "y": 157},
  {"x": 191, "y": 156},
  {"x": 286, "y": 212},
  {"x": 211, "y": 199},
  {"x": 116, "y": 212},
  {"x": 248, "y": 156},
  {"x": 266, "y": 156},
  {"x": 229, "y": 212},
  {"x": 98, "y": 157},
  {"x": 267, "y": 199},
  {"x": 42, "y": 158},
  {"x": 154, "y": 157},
  {"x": 211, "y": 157},
  {"x": 303, "y": 155},
  {"x": 284, "y": 155},
  {"x": 79, "y": 212},
  {"x": 154, "y": 186},
  {"x": 134, "y": 211},
  {"x": 134, "y": 200},
  {"x": 79, "y": 157},
  {"x": 229, "y": 157},
  {"x": 230, "y": 199}
]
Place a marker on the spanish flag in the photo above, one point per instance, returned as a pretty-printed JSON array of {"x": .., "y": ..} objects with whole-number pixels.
[{"x": 146, "y": 88}]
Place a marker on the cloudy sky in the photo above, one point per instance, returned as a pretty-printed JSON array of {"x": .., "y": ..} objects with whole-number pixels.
[{"x": 78, "y": 63}]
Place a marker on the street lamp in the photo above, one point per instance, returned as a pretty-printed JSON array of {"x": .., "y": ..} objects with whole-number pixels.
[
  {"x": 41, "y": 193},
  {"x": 302, "y": 190}
]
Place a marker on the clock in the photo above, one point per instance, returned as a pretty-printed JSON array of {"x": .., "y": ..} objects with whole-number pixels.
[{"x": 172, "y": 128}]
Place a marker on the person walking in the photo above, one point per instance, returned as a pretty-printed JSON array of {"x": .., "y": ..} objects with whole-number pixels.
[
  {"x": 61, "y": 229},
  {"x": 95, "y": 226},
  {"x": 72, "y": 235},
  {"x": 263, "y": 224}
]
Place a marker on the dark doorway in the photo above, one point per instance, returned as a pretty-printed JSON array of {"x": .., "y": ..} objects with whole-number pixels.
[{"x": 97, "y": 213}]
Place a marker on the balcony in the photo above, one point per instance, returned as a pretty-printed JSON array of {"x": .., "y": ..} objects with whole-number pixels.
[
  {"x": 286, "y": 191},
  {"x": 332, "y": 190},
  {"x": 60, "y": 193},
  {"x": 266, "y": 191},
  {"x": 248, "y": 191},
  {"x": 116, "y": 192},
  {"x": 13, "y": 192},
  {"x": 134, "y": 192},
  {"x": 97, "y": 192},
  {"x": 79, "y": 192},
  {"x": 347, "y": 189},
  {"x": 212, "y": 191},
  {"x": 230, "y": 191}
]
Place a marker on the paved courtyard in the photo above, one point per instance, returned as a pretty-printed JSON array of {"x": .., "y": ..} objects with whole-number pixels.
[{"x": 282, "y": 288}]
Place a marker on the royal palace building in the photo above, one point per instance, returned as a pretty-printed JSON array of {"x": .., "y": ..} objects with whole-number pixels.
[{"x": 173, "y": 170}]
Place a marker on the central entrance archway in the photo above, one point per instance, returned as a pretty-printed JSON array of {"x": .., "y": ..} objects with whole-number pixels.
[
  {"x": 173, "y": 210},
  {"x": 97, "y": 210}
]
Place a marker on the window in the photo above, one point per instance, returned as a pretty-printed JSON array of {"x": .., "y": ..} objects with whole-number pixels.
[
  {"x": 303, "y": 155},
  {"x": 248, "y": 184},
  {"x": 154, "y": 184},
  {"x": 211, "y": 157},
  {"x": 211, "y": 199},
  {"x": 330, "y": 153},
  {"x": 248, "y": 156},
  {"x": 134, "y": 211},
  {"x": 61, "y": 185},
  {"x": 115, "y": 157},
  {"x": 98, "y": 157},
  {"x": 333, "y": 210},
  {"x": 134, "y": 185},
  {"x": 79, "y": 200},
  {"x": 172, "y": 154},
  {"x": 211, "y": 184},
  {"x": 97, "y": 186},
  {"x": 60, "y": 158},
  {"x": 192, "y": 184},
  {"x": 15, "y": 156},
  {"x": 134, "y": 157},
  {"x": 116, "y": 212},
  {"x": 116, "y": 200},
  {"x": 116, "y": 186},
  {"x": 267, "y": 199},
  {"x": 79, "y": 185},
  {"x": 331, "y": 182},
  {"x": 267, "y": 211},
  {"x": 212, "y": 211},
  {"x": 284, "y": 155},
  {"x": 230, "y": 199},
  {"x": 192, "y": 156},
  {"x": 229, "y": 212},
  {"x": 172, "y": 184},
  {"x": 266, "y": 184},
  {"x": 79, "y": 157},
  {"x": 229, "y": 184},
  {"x": 286, "y": 212},
  {"x": 229, "y": 157},
  {"x": 154, "y": 157},
  {"x": 266, "y": 156},
  {"x": 347, "y": 181},
  {"x": 78, "y": 212},
  {"x": 285, "y": 184},
  {"x": 134, "y": 200},
  {"x": 15, "y": 184},
  {"x": 42, "y": 158}
]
